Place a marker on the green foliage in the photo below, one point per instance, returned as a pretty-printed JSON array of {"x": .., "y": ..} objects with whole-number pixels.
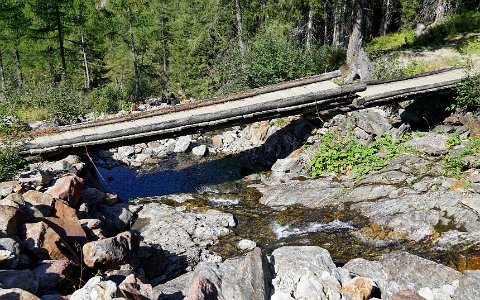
[
  {"x": 471, "y": 47},
  {"x": 453, "y": 162},
  {"x": 468, "y": 92},
  {"x": 390, "y": 42},
  {"x": 346, "y": 155},
  {"x": 10, "y": 161}
]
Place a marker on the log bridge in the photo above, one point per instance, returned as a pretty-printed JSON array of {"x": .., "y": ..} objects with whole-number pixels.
[{"x": 317, "y": 94}]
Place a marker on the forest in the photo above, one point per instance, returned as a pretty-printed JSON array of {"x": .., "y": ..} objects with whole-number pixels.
[{"x": 60, "y": 58}]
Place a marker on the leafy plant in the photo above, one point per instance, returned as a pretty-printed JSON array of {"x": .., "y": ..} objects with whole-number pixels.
[
  {"x": 10, "y": 161},
  {"x": 453, "y": 163},
  {"x": 350, "y": 156},
  {"x": 468, "y": 92}
]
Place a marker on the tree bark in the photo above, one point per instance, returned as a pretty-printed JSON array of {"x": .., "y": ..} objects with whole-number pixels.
[
  {"x": 241, "y": 44},
  {"x": 387, "y": 16},
  {"x": 309, "y": 37},
  {"x": 164, "y": 47},
  {"x": 2, "y": 74},
  {"x": 441, "y": 11},
  {"x": 357, "y": 58},
  {"x": 18, "y": 66},
  {"x": 60, "y": 41},
  {"x": 86, "y": 72},
  {"x": 261, "y": 18},
  {"x": 338, "y": 24},
  {"x": 134, "y": 54}
]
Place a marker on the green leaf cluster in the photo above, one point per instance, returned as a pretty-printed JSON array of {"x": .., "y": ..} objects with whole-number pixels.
[
  {"x": 453, "y": 162},
  {"x": 10, "y": 161},
  {"x": 348, "y": 156}
]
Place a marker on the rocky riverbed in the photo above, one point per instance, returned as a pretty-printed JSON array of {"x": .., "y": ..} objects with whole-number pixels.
[{"x": 236, "y": 215}]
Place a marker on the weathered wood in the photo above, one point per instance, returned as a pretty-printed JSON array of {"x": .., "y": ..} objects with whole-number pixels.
[
  {"x": 216, "y": 100},
  {"x": 383, "y": 81}
]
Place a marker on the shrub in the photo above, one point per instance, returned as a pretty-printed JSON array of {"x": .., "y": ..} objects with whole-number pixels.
[
  {"x": 468, "y": 92},
  {"x": 10, "y": 161},
  {"x": 392, "y": 41}
]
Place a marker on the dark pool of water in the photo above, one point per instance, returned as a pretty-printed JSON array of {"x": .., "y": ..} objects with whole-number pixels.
[{"x": 176, "y": 175}]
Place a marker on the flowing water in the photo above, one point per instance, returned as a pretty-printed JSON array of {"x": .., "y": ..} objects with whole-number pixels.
[{"x": 218, "y": 182}]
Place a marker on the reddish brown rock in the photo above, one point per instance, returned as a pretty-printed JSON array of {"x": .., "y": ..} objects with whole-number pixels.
[
  {"x": 56, "y": 274},
  {"x": 357, "y": 289},
  {"x": 134, "y": 288},
  {"x": 406, "y": 295},
  {"x": 113, "y": 252},
  {"x": 40, "y": 201},
  {"x": 473, "y": 125},
  {"x": 89, "y": 224},
  {"x": 45, "y": 243},
  {"x": 202, "y": 289},
  {"x": 66, "y": 223},
  {"x": 11, "y": 219},
  {"x": 67, "y": 188},
  {"x": 16, "y": 294}
]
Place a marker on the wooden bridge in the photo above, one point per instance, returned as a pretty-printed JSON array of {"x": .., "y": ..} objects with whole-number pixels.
[{"x": 317, "y": 93}]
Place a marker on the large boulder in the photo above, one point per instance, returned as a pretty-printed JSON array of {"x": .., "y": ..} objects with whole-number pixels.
[
  {"x": 40, "y": 204},
  {"x": 66, "y": 223},
  {"x": 22, "y": 279},
  {"x": 57, "y": 274},
  {"x": 67, "y": 188},
  {"x": 430, "y": 143},
  {"x": 399, "y": 271},
  {"x": 9, "y": 187},
  {"x": 11, "y": 220},
  {"x": 96, "y": 289},
  {"x": 113, "y": 252},
  {"x": 46, "y": 244},
  {"x": 469, "y": 287},
  {"x": 238, "y": 278},
  {"x": 304, "y": 272},
  {"x": 134, "y": 288}
]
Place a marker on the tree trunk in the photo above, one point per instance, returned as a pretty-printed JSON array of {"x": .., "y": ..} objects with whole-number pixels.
[
  {"x": 2, "y": 74},
  {"x": 60, "y": 41},
  {"x": 18, "y": 66},
  {"x": 164, "y": 47},
  {"x": 134, "y": 54},
  {"x": 387, "y": 16},
  {"x": 338, "y": 24},
  {"x": 241, "y": 44},
  {"x": 357, "y": 58},
  {"x": 261, "y": 18},
  {"x": 308, "y": 39},
  {"x": 86, "y": 72},
  {"x": 441, "y": 11}
]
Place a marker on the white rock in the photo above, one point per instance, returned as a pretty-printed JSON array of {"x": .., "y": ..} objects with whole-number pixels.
[
  {"x": 199, "y": 150},
  {"x": 246, "y": 245},
  {"x": 182, "y": 144}
]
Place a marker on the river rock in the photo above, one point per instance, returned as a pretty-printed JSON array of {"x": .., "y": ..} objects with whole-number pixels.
[
  {"x": 72, "y": 164},
  {"x": 16, "y": 294},
  {"x": 430, "y": 143},
  {"x": 314, "y": 193},
  {"x": 372, "y": 120},
  {"x": 358, "y": 289},
  {"x": 125, "y": 151},
  {"x": 66, "y": 223},
  {"x": 244, "y": 245},
  {"x": 182, "y": 144},
  {"x": 22, "y": 279},
  {"x": 134, "y": 288},
  {"x": 67, "y": 188},
  {"x": 56, "y": 274},
  {"x": 235, "y": 279},
  {"x": 11, "y": 219},
  {"x": 118, "y": 217},
  {"x": 45, "y": 243},
  {"x": 96, "y": 289},
  {"x": 400, "y": 271},
  {"x": 113, "y": 252},
  {"x": 473, "y": 124},
  {"x": 469, "y": 287},
  {"x": 199, "y": 150},
  {"x": 406, "y": 295},
  {"x": 184, "y": 236},
  {"x": 34, "y": 177},
  {"x": 42, "y": 203},
  {"x": 217, "y": 141},
  {"x": 304, "y": 272},
  {"x": 9, "y": 253},
  {"x": 152, "y": 260},
  {"x": 92, "y": 196},
  {"x": 8, "y": 187}
]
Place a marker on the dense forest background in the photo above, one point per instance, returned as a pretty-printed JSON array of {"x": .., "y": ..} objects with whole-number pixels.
[{"x": 64, "y": 57}]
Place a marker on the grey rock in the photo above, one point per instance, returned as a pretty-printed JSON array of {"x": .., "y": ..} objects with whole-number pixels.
[
  {"x": 118, "y": 217},
  {"x": 125, "y": 151},
  {"x": 430, "y": 143},
  {"x": 199, "y": 150},
  {"x": 400, "y": 271},
  {"x": 10, "y": 251},
  {"x": 22, "y": 279},
  {"x": 304, "y": 273},
  {"x": 34, "y": 177},
  {"x": 182, "y": 144},
  {"x": 92, "y": 196},
  {"x": 246, "y": 245},
  {"x": 96, "y": 289},
  {"x": 237, "y": 278},
  {"x": 7, "y": 188},
  {"x": 469, "y": 287},
  {"x": 311, "y": 193},
  {"x": 11, "y": 219},
  {"x": 372, "y": 121},
  {"x": 19, "y": 294},
  {"x": 71, "y": 164},
  {"x": 184, "y": 236}
]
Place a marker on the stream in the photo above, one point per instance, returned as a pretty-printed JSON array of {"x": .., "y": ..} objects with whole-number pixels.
[{"x": 218, "y": 182}]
